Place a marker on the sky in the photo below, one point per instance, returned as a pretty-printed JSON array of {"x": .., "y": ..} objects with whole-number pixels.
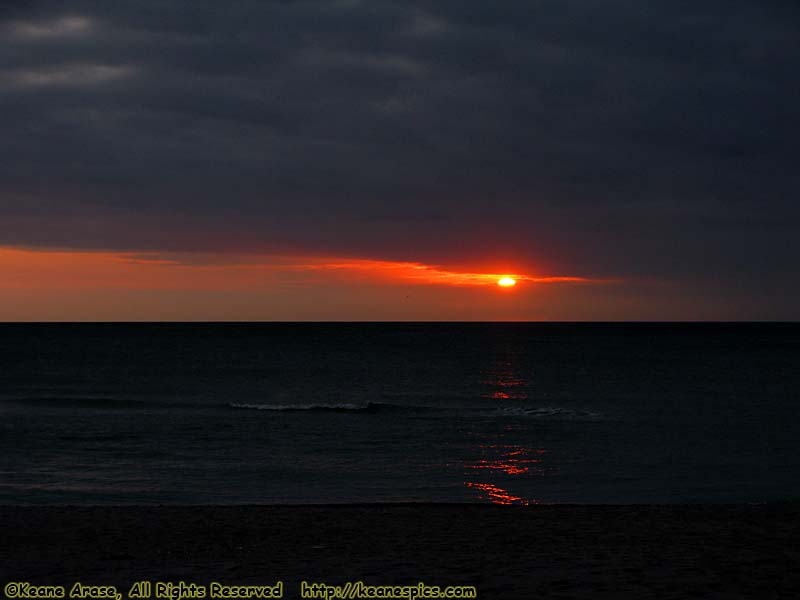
[{"x": 373, "y": 160}]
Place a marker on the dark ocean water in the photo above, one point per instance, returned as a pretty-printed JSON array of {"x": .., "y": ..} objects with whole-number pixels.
[{"x": 299, "y": 413}]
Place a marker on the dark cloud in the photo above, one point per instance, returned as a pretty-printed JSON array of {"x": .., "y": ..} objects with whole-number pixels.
[{"x": 617, "y": 138}]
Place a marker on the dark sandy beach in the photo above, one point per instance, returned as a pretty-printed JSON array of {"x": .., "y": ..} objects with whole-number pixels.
[{"x": 506, "y": 552}]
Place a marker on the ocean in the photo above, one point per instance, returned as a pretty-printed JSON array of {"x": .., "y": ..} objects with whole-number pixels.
[{"x": 507, "y": 413}]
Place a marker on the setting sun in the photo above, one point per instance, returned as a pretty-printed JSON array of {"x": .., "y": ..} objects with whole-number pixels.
[{"x": 507, "y": 282}]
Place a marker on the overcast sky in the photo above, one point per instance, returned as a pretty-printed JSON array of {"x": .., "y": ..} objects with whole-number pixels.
[{"x": 649, "y": 142}]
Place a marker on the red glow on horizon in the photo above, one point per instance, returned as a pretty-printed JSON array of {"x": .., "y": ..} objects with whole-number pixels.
[
  {"x": 55, "y": 268},
  {"x": 68, "y": 285}
]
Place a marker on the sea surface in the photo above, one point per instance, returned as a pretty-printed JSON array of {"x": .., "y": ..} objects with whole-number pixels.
[{"x": 351, "y": 413}]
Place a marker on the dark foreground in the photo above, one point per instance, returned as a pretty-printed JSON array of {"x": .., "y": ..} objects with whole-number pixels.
[{"x": 505, "y": 552}]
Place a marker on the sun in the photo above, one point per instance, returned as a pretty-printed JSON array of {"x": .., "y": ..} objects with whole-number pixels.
[{"x": 507, "y": 282}]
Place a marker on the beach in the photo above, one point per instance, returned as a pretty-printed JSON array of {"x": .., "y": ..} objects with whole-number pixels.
[{"x": 506, "y": 552}]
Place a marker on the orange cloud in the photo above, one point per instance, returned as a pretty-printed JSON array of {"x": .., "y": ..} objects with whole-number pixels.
[
  {"x": 47, "y": 269},
  {"x": 433, "y": 275}
]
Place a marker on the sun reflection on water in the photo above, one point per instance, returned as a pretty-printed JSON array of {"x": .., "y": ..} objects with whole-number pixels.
[
  {"x": 513, "y": 460},
  {"x": 505, "y": 383},
  {"x": 503, "y": 460},
  {"x": 498, "y": 495}
]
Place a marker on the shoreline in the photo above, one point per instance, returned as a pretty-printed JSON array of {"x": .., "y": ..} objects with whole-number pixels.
[{"x": 506, "y": 552}]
